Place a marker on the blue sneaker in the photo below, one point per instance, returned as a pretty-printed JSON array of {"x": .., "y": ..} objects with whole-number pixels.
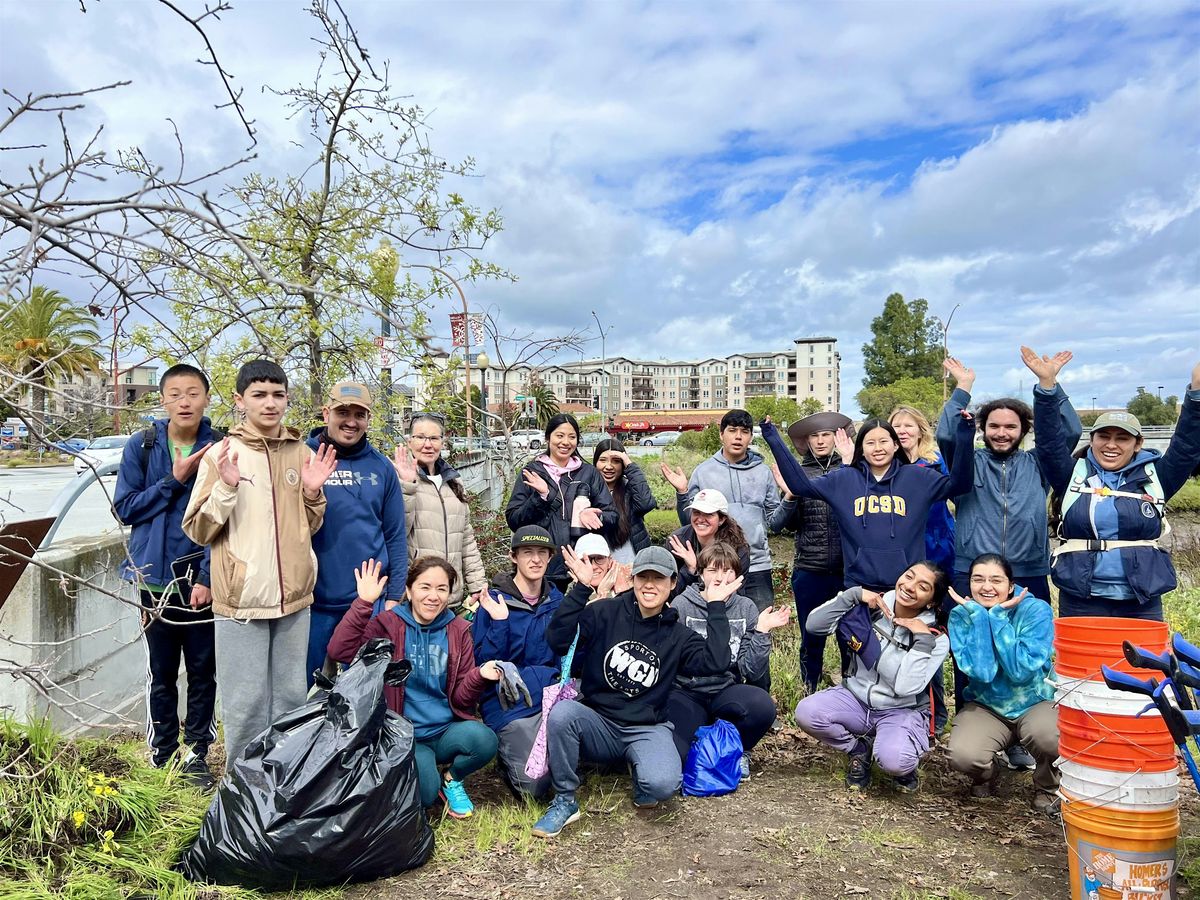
[
  {"x": 458, "y": 804},
  {"x": 744, "y": 766},
  {"x": 562, "y": 812}
]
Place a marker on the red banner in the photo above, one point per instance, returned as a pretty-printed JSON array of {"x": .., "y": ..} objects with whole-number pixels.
[{"x": 458, "y": 329}]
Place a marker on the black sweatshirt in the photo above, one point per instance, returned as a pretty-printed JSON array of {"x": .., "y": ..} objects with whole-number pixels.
[{"x": 627, "y": 663}]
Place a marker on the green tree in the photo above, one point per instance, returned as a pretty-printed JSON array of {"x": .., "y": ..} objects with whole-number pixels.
[
  {"x": 1150, "y": 410},
  {"x": 780, "y": 409},
  {"x": 314, "y": 301},
  {"x": 46, "y": 338},
  {"x": 924, "y": 394},
  {"x": 906, "y": 343}
]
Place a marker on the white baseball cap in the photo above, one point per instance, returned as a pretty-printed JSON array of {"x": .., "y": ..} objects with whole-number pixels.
[
  {"x": 709, "y": 500},
  {"x": 592, "y": 545}
]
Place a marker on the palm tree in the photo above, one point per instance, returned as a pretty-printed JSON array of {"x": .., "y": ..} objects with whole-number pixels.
[
  {"x": 46, "y": 337},
  {"x": 547, "y": 402}
]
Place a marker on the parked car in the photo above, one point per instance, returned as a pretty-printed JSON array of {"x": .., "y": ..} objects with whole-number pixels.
[
  {"x": 102, "y": 450},
  {"x": 526, "y": 439},
  {"x": 661, "y": 439},
  {"x": 591, "y": 438}
]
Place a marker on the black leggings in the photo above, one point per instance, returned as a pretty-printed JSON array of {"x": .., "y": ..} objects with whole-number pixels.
[{"x": 749, "y": 709}]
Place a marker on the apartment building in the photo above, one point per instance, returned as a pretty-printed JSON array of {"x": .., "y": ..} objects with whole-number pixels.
[{"x": 812, "y": 368}]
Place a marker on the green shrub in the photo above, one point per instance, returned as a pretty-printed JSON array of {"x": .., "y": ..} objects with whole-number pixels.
[
  {"x": 706, "y": 442},
  {"x": 660, "y": 523},
  {"x": 1188, "y": 498}
]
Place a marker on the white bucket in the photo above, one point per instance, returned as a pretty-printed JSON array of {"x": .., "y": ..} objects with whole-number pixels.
[
  {"x": 1119, "y": 790},
  {"x": 1098, "y": 697}
]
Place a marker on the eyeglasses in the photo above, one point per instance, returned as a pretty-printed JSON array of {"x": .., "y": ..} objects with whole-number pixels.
[
  {"x": 175, "y": 396},
  {"x": 425, "y": 438}
]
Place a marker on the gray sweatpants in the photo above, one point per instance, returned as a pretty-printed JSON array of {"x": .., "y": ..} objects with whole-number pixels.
[
  {"x": 260, "y": 674},
  {"x": 516, "y": 740},
  {"x": 579, "y": 732}
]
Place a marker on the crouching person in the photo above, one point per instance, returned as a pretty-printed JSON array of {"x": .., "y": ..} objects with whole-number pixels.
[
  {"x": 1002, "y": 640},
  {"x": 881, "y": 710},
  {"x": 700, "y": 700},
  {"x": 441, "y": 693},
  {"x": 510, "y": 624},
  {"x": 630, "y": 648}
]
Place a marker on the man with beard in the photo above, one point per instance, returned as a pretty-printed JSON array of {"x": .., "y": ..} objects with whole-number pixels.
[{"x": 1004, "y": 512}]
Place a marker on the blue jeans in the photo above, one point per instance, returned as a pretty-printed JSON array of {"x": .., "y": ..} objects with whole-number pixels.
[
  {"x": 320, "y": 630},
  {"x": 811, "y": 589},
  {"x": 757, "y": 586}
]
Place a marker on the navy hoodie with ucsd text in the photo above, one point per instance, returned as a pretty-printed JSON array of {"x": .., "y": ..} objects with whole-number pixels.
[
  {"x": 626, "y": 662},
  {"x": 882, "y": 521}
]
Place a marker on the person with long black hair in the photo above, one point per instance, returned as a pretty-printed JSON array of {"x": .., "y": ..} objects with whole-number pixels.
[
  {"x": 560, "y": 492},
  {"x": 880, "y": 501},
  {"x": 632, "y": 498}
]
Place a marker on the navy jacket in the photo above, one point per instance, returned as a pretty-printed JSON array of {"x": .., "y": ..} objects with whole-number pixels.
[
  {"x": 882, "y": 522},
  {"x": 1003, "y": 509},
  {"x": 364, "y": 519},
  {"x": 1148, "y": 570},
  {"x": 526, "y": 507},
  {"x": 521, "y": 640},
  {"x": 152, "y": 502},
  {"x": 640, "y": 500}
]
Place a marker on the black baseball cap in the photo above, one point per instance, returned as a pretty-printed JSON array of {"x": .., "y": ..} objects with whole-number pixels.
[{"x": 532, "y": 536}]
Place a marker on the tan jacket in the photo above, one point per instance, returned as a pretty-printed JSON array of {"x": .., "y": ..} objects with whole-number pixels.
[
  {"x": 439, "y": 524},
  {"x": 263, "y": 566}
]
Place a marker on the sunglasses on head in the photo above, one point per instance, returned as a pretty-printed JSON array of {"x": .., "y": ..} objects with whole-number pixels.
[{"x": 437, "y": 417}]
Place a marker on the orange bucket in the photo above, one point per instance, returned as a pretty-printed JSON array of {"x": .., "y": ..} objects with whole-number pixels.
[
  {"x": 1115, "y": 743},
  {"x": 1115, "y": 853},
  {"x": 1083, "y": 644}
]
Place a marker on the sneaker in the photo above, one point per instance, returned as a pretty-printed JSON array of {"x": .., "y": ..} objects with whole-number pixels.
[
  {"x": 986, "y": 787},
  {"x": 1019, "y": 758},
  {"x": 562, "y": 812},
  {"x": 195, "y": 769},
  {"x": 644, "y": 801},
  {"x": 858, "y": 772},
  {"x": 744, "y": 766},
  {"x": 458, "y": 804},
  {"x": 1047, "y": 804},
  {"x": 907, "y": 784}
]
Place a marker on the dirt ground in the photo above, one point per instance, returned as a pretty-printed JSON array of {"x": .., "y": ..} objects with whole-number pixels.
[{"x": 792, "y": 831}]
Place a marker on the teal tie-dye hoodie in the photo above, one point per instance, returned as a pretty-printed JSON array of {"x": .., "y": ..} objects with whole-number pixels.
[{"x": 1005, "y": 653}]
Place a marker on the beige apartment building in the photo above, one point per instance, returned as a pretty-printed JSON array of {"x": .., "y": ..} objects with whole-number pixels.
[{"x": 811, "y": 369}]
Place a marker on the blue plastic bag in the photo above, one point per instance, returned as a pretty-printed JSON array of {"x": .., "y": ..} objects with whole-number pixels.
[{"x": 712, "y": 763}]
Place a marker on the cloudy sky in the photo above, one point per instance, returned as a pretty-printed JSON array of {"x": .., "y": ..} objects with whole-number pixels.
[{"x": 722, "y": 177}]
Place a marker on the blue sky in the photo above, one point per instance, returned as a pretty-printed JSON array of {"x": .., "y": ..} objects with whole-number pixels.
[{"x": 722, "y": 177}]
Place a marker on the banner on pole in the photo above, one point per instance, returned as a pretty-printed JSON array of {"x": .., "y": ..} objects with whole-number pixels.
[{"x": 458, "y": 329}]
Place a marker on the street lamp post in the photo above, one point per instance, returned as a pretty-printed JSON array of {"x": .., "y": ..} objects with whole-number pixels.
[
  {"x": 946, "y": 348},
  {"x": 1160, "y": 387},
  {"x": 482, "y": 363},
  {"x": 603, "y": 371},
  {"x": 1093, "y": 404}
]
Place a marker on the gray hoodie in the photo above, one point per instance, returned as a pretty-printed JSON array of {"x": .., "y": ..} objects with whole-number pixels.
[
  {"x": 750, "y": 650},
  {"x": 907, "y": 661},
  {"x": 749, "y": 487}
]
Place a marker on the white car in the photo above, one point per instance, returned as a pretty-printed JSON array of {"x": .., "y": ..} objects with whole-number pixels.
[
  {"x": 661, "y": 439},
  {"x": 102, "y": 450},
  {"x": 527, "y": 439}
]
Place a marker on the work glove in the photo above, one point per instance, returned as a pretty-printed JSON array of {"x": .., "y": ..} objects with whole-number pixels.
[{"x": 511, "y": 687}]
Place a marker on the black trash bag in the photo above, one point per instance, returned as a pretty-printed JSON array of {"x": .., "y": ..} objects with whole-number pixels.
[{"x": 327, "y": 795}]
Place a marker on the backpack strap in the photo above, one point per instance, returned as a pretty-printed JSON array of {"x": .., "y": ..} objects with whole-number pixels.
[{"x": 149, "y": 436}]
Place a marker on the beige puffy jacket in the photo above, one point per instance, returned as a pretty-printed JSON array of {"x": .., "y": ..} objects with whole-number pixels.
[
  {"x": 439, "y": 524},
  {"x": 263, "y": 566}
]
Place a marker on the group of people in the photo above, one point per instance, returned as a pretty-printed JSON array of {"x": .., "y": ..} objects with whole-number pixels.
[{"x": 262, "y": 557}]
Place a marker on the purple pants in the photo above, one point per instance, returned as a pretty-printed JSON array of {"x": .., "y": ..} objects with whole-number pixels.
[{"x": 836, "y": 717}]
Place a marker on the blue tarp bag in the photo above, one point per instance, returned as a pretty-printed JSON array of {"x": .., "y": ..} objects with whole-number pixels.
[{"x": 712, "y": 763}]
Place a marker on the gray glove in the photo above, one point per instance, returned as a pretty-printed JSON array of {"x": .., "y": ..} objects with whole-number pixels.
[{"x": 511, "y": 687}]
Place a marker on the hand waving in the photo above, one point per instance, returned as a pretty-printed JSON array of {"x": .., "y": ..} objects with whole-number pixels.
[
  {"x": 780, "y": 483},
  {"x": 685, "y": 552},
  {"x": 675, "y": 477},
  {"x": 719, "y": 593},
  {"x": 495, "y": 608},
  {"x": 404, "y": 464},
  {"x": 227, "y": 465},
  {"x": 316, "y": 469},
  {"x": 368, "y": 582},
  {"x": 184, "y": 467},
  {"x": 1046, "y": 368},
  {"x": 844, "y": 445},
  {"x": 535, "y": 483},
  {"x": 774, "y": 617},
  {"x": 579, "y": 567},
  {"x": 964, "y": 377}
]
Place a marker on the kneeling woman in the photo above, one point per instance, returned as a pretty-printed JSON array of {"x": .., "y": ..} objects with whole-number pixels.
[
  {"x": 700, "y": 700},
  {"x": 881, "y": 709},
  {"x": 441, "y": 694},
  {"x": 1002, "y": 640}
]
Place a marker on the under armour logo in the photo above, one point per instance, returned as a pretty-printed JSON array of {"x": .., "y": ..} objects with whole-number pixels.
[{"x": 359, "y": 478}]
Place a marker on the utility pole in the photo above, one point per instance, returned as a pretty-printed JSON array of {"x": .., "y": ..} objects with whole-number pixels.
[{"x": 603, "y": 371}]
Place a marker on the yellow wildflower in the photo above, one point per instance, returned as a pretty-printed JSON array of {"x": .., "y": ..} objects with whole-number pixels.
[{"x": 78, "y": 817}]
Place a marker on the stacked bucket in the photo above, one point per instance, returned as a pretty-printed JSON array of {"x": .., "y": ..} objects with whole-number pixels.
[{"x": 1120, "y": 777}]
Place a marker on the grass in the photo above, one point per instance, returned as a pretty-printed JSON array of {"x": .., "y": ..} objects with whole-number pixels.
[
  {"x": 91, "y": 819},
  {"x": 1187, "y": 499}
]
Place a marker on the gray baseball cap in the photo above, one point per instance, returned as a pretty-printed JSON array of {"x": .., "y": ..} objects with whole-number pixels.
[
  {"x": 1123, "y": 420},
  {"x": 655, "y": 559}
]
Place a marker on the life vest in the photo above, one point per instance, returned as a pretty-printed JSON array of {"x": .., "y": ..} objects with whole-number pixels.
[{"x": 1152, "y": 494}]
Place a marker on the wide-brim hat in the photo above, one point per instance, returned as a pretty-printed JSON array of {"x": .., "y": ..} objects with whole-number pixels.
[{"x": 802, "y": 429}]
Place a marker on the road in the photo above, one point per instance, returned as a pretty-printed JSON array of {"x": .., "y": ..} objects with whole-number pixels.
[{"x": 29, "y": 493}]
